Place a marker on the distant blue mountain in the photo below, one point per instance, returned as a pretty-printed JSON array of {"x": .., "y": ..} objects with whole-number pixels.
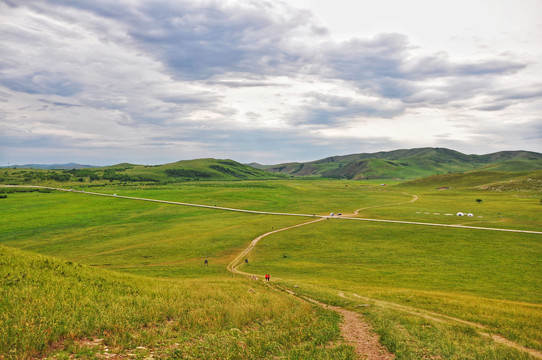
[{"x": 50, "y": 166}]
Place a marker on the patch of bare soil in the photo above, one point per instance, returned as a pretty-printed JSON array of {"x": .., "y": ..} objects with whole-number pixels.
[
  {"x": 357, "y": 333},
  {"x": 446, "y": 319},
  {"x": 360, "y": 334},
  {"x": 502, "y": 340}
]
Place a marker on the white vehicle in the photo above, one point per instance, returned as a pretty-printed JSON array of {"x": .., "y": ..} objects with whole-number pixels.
[{"x": 332, "y": 214}]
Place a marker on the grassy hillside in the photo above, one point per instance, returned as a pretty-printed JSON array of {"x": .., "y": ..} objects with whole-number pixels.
[
  {"x": 186, "y": 170},
  {"x": 409, "y": 164},
  {"x": 530, "y": 181},
  {"x": 51, "y": 307},
  {"x": 204, "y": 169}
]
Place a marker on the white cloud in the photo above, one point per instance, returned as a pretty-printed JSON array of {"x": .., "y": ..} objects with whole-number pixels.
[{"x": 182, "y": 79}]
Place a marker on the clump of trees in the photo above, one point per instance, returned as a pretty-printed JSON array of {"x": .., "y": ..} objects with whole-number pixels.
[
  {"x": 57, "y": 176},
  {"x": 187, "y": 173},
  {"x": 226, "y": 171}
]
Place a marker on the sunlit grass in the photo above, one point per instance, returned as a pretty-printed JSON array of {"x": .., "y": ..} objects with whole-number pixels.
[{"x": 50, "y": 306}]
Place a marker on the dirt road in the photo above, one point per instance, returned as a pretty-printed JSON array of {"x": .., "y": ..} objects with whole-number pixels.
[{"x": 345, "y": 217}]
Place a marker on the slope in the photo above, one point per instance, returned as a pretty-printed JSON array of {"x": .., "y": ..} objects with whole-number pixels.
[
  {"x": 205, "y": 169},
  {"x": 56, "y": 308},
  {"x": 408, "y": 164},
  {"x": 199, "y": 169},
  {"x": 483, "y": 179}
]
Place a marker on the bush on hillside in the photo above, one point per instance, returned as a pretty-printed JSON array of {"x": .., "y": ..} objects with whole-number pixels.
[{"x": 187, "y": 173}]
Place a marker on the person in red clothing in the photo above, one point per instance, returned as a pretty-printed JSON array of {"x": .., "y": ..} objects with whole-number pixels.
[{"x": 267, "y": 277}]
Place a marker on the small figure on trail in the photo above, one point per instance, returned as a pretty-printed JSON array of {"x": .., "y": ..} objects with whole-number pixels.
[
  {"x": 246, "y": 261},
  {"x": 267, "y": 277},
  {"x": 206, "y": 262}
]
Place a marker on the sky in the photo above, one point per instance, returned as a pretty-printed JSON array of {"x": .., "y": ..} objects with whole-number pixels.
[{"x": 150, "y": 82}]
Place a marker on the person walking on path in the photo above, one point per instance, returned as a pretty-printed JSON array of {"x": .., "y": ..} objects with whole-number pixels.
[
  {"x": 206, "y": 263},
  {"x": 267, "y": 277},
  {"x": 246, "y": 261}
]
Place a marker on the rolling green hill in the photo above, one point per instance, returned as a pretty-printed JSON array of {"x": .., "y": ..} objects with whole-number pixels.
[
  {"x": 199, "y": 169},
  {"x": 203, "y": 169},
  {"x": 408, "y": 164},
  {"x": 484, "y": 180}
]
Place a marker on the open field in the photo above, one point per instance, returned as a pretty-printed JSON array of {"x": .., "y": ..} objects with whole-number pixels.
[{"x": 489, "y": 279}]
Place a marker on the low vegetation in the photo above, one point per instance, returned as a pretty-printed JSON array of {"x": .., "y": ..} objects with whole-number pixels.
[
  {"x": 187, "y": 170},
  {"x": 83, "y": 275},
  {"x": 60, "y": 308}
]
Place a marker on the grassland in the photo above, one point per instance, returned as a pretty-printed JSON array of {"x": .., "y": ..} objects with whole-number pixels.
[
  {"x": 161, "y": 297},
  {"x": 63, "y": 309}
]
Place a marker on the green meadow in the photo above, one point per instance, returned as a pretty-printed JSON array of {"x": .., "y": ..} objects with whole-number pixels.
[
  {"x": 84, "y": 275},
  {"x": 61, "y": 309}
]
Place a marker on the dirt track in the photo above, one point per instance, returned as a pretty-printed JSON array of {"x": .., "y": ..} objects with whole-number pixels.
[{"x": 344, "y": 217}]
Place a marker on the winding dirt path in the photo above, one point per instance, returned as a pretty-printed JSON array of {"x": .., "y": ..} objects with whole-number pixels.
[
  {"x": 355, "y": 331},
  {"x": 232, "y": 266},
  {"x": 430, "y": 315},
  {"x": 414, "y": 198}
]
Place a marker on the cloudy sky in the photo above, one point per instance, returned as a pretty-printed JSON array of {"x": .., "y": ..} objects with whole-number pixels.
[{"x": 149, "y": 82}]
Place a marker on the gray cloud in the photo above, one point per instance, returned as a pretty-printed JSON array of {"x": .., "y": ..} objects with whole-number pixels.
[
  {"x": 245, "y": 83},
  {"x": 43, "y": 82},
  {"x": 520, "y": 94},
  {"x": 203, "y": 72},
  {"x": 325, "y": 109},
  {"x": 495, "y": 106}
]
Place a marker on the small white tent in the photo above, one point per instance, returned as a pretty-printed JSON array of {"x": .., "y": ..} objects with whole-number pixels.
[{"x": 460, "y": 214}]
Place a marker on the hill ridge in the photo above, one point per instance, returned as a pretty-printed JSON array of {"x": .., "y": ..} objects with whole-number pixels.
[{"x": 407, "y": 163}]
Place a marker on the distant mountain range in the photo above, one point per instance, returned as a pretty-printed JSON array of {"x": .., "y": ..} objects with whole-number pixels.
[
  {"x": 407, "y": 164},
  {"x": 404, "y": 164},
  {"x": 49, "y": 166}
]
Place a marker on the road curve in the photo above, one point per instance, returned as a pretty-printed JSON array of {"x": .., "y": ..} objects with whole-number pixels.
[
  {"x": 414, "y": 198},
  {"x": 232, "y": 266}
]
